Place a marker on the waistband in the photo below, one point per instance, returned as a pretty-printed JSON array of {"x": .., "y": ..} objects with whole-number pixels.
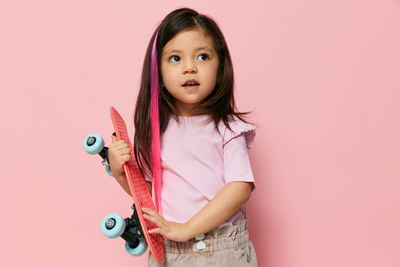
[{"x": 217, "y": 239}]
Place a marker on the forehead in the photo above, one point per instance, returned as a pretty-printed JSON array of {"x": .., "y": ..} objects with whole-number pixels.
[{"x": 189, "y": 40}]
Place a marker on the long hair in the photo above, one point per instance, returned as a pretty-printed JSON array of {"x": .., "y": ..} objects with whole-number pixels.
[{"x": 219, "y": 105}]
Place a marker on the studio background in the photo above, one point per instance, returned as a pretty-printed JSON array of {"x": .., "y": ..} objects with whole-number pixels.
[{"x": 321, "y": 77}]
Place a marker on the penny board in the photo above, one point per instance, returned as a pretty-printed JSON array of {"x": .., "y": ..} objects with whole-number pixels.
[{"x": 139, "y": 190}]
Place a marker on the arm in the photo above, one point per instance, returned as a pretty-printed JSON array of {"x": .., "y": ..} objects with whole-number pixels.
[
  {"x": 121, "y": 179},
  {"x": 231, "y": 197},
  {"x": 227, "y": 201},
  {"x": 119, "y": 153}
]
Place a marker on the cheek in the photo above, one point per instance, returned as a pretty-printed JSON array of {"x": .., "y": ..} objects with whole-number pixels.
[
  {"x": 167, "y": 77},
  {"x": 213, "y": 74}
]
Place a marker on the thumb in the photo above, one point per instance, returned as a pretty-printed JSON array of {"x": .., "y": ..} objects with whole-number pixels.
[{"x": 113, "y": 138}]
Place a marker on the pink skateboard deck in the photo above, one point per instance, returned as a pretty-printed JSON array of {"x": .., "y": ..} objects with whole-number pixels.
[{"x": 139, "y": 190}]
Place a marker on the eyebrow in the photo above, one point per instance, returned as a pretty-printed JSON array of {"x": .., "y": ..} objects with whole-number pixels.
[{"x": 197, "y": 49}]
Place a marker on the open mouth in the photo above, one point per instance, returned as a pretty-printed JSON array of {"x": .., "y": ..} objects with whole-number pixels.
[{"x": 191, "y": 84}]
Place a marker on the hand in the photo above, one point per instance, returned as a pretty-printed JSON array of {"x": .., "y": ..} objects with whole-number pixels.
[
  {"x": 171, "y": 230},
  {"x": 118, "y": 153}
]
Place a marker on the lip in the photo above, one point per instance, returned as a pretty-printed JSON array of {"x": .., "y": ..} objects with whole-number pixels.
[
  {"x": 191, "y": 81},
  {"x": 191, "y": 88}
]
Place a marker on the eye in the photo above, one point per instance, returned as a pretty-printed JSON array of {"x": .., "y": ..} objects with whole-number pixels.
[
  {"x": 203, "y": 57},
  {"x": 174, "y": 59}
]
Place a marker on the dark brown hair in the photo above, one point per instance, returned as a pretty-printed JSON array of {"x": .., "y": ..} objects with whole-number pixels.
[{"x": 220, "y": 104}]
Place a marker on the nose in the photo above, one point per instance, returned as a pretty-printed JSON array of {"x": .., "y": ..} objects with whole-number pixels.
[{"x": 189, "y": 66}]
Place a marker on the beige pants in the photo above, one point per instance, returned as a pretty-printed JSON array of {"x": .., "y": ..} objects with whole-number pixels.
[{"x": 227, "y": 246}]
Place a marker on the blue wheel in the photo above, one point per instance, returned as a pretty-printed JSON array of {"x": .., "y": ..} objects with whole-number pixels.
[
  {"x": 93, "y": 144},
  {"x": 139, "y": 250},
  {"x": 108, "y": 170},
  {"x": 113, "y": 225}
]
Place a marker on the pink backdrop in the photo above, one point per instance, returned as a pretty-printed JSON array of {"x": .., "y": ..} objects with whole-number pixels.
[{"x": 322, "y": 78}]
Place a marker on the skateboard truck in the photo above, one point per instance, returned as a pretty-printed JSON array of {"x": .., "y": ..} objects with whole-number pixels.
[
  {"x": 129, "y": 229},
  {"x": 133, "y": 231},
  {"x": 94, "y": 144}
]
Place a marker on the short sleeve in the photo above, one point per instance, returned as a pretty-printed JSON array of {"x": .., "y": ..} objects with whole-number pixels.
[
  {"x": 236, "y": 143},
  {"x": 238, "y": 128}
]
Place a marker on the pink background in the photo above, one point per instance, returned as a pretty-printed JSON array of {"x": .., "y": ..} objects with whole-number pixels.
[{"x": 323, "y": 80}]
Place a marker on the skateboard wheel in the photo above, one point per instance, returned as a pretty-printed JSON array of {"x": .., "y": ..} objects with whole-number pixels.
[
  {"x": 113, "y": 225},
  {"x": 93, "y": 143},
  {"x": 139, "y": 250},
  {"x": 108, "y": 170}
]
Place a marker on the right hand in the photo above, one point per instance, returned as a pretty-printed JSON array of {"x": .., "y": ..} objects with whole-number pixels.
[{"x": 118, "y": 153}]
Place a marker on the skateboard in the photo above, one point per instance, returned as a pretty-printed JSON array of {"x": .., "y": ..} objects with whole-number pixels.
[{"x": 133, "y": 230}]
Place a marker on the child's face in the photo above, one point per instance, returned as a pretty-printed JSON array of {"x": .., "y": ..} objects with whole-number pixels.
[{"x": 190, "y": 55}]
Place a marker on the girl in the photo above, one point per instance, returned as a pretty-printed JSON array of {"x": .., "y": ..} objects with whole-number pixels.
[{"x": 202, "y": 178}]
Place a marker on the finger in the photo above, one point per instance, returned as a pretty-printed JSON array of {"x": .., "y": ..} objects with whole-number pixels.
[
  {"x": 125, "y": 150},
  {"x": 116, "y": 142},
  {"x": 125, "y": 158},
  {"x": 152, "y": 219},
  {"x": 156, "y": 219},
  {"x": 156, "y": 231},
  {"x": 152, "y": 212},
  {"x": 121, "y": 144},
  {"x": 118, "y": 145}
]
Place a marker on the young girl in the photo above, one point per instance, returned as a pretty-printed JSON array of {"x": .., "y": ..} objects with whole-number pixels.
[{"x": 202, "y": 178}]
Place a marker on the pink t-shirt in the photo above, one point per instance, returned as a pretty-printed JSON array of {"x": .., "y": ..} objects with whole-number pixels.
[{"x": 197, "y": 162}]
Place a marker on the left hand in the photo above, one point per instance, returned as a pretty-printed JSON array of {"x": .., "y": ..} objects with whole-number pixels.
[{"x": 171, "y": 230}]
